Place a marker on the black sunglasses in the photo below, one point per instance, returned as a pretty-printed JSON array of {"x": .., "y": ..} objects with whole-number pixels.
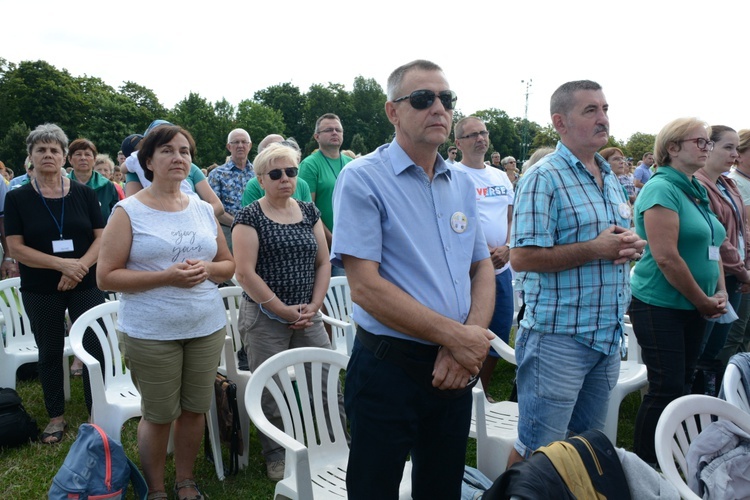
[
  {"x": 275, "y": 174},
  {"x": 423, "y": 99}
]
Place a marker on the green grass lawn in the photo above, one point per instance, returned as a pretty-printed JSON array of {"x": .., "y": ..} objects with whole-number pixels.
[{"x": 27, "y": 472}]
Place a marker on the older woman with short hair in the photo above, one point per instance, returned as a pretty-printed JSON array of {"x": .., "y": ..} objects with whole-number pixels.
[
  {"x": 53, "y": 228},
  {"x": 283, "y": 267},
  {"x": 81, "y": 155},
  {"x": 163, "y": 250},
  {"x": 678, "y": 283}
]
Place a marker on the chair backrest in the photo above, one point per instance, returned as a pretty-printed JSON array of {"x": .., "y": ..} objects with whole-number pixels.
[
  {"x": 232, "y": 296},
  {"x": 503, "y": 349},
  {"x": 17, "y": 326},
  {"x": 307, "y": 419},
  {"x": 634, "y": 350},
  {"x": 680, "y": 423},
  {"x": 102, "y": 320},
  {"x": 734, "y": 391},
  {"x": 338, "y": 305},
  {"x": 517, "y": 295}
]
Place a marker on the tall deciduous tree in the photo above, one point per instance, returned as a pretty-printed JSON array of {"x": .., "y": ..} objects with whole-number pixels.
[
  {"x": 197, "y": 115},
  {"x": 503, "y": 135},
  {"x": 332, "y": 98},
  {"x": 638, "y": 144},
  {"x": 145, "y": 100},
  {"x": 287, "y": 99},
  {"x": 36, "y": 92},
  {"x": 13, "y": 147},
  {"x": 369, "y": 119},
  {"x": 259, "y": 120},
  {"x": 545, "y": 137}
]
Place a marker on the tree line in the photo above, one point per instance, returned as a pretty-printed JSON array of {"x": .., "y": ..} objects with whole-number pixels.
[{"x": 35, "y": 92}]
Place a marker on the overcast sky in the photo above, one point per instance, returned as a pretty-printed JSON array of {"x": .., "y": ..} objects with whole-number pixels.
[{"x": 657, "y": 60}]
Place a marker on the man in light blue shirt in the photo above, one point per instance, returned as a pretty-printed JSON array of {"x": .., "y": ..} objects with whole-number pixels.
[
  {"x": 408, "y": 234},
  {"x": 643, "y": 172}
]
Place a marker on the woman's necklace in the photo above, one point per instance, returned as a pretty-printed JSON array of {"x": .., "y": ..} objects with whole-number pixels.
[
  {"x": 285, "y": 217},
  {"x": 162, "y": 203}
]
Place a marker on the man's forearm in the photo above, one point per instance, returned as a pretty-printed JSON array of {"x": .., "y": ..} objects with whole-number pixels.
[
  {"x": 551, "y": 259},
  {"x": 482, "y": 294}
]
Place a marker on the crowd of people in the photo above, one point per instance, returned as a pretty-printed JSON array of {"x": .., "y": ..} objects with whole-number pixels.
[{"x": 431, "y": 249}]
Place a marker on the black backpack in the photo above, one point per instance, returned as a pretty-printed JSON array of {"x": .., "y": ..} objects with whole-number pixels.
[
  {"x": 596, "y": 474},
  {"x": 16, "y": 426}
]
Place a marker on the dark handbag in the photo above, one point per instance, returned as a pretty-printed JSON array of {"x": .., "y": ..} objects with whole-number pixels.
[
  {"x": 16, "y": 425},
  {"x": 228, "y": 412}
]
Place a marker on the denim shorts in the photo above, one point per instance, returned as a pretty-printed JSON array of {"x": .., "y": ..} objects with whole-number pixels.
[{"x": 563, "y": 388}]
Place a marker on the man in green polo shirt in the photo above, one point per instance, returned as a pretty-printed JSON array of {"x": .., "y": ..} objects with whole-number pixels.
[{"x": 321, "y": 169}]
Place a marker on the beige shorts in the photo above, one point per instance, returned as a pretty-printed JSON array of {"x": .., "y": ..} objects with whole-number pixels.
[{"x": 173, "y": 375}]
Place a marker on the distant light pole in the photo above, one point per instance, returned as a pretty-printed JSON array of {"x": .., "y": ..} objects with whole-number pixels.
[{"x": 525, "y": 134}]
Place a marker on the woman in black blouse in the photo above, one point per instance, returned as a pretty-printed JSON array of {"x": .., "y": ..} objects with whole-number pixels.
[
  {"x": 53, "y": 229},
  {"x": 282, "y": 264}
]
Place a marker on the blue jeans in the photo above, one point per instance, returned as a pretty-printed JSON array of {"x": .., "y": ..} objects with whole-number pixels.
[
  {"x": 670, "y": 340},
  {"x": 391, "y": 417},
  {"x": 563, "y": 388},
  {"x": 502, "y": 318}
]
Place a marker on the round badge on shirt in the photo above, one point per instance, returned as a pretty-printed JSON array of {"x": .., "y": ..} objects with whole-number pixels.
[
  {"x": 625, "y": 211},
  {"x": 459, "y": 222}
]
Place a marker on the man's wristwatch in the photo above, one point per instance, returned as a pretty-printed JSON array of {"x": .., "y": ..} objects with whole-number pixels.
[{"x": 9, "y": 259}]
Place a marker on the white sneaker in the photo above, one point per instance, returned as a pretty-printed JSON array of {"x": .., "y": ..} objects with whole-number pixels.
[{"x": 275, "y": 470}]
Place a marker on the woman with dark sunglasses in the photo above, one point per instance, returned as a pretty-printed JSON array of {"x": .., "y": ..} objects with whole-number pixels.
[
  {"x": 678, "y": 284},
  {"x": 282, "y": 265}
]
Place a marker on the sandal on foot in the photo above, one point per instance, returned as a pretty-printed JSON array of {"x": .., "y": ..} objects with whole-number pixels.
[
  {"x": 157, "y": 495},
  {"x": 76, "y": 372},
  {"x": 54, "y": 430},
  {"x": 187, "y": 483}
]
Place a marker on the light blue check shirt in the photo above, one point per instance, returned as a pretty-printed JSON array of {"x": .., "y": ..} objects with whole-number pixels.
[
  {"x": 560, "y": 203},
  {"x": 386, "y": 210}
]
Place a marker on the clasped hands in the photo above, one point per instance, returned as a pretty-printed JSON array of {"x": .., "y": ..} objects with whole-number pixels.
[
  {"x": 187, "y": 274},
  {"x": 619, "y": 245},
  {"x": 73, "y": 271},
  {"x": 456, "y": 365}
]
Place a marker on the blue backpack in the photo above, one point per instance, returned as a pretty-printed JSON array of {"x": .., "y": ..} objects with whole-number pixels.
[{"x": 96, "y": 468}]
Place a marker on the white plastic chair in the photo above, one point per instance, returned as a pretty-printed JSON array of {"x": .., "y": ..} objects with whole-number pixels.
[
  {"x": 494, "y": 425},
  {"x": 338, "y": 305},
  {"x": 230, "y": 363},
  {"x": 113, "y": 394},
  {"x": 517, "y": 299},
  {"x": 680, "y": 423},
  {"x": 20, "y": 347},
  {"x": 114, "y": 397},
  {"x": 734, "y": 391},
  {"x": 315, "y": 462},
  {"x": 633, "y": 377}
]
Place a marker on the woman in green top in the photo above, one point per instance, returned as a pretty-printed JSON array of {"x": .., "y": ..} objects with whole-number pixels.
[
  {"x": 679, "y": 282},
  {"x": 81, "y": 155}
]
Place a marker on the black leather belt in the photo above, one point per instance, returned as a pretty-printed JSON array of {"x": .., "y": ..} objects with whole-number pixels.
[{"x": 417, "y": 360}]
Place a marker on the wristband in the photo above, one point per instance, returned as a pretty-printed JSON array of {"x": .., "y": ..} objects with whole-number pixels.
[{"x": 9, "y": 259}]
